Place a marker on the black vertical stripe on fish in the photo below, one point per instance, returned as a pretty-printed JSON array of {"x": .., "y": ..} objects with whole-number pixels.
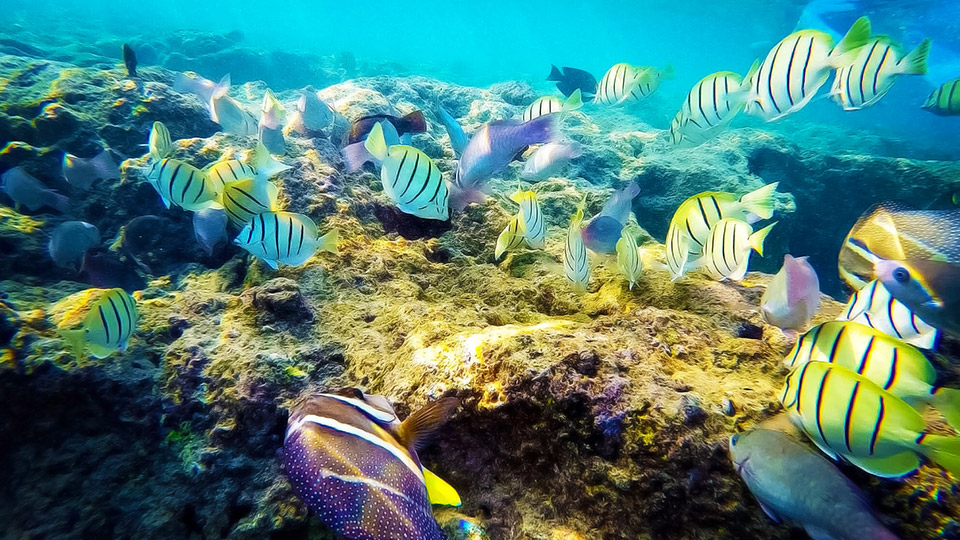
[
  {"x": 863, "y": 72},
  {"x": 953, "y": 89},
  {"x": 836, "y": 343},
  {"x": 893, "y": 324},
  {"x": 239, "y": 205},
  {"x": 849, "y": 416},
  {"x": 276, "y": 233},
  {"x": 793, "y": 54},
  {"x": 876, "y": 74},
  {"x": 289, "y": 237},
  {"x": 716, "y": 108},
  {"x": 125, "y": 300},
  {"x": 876, "y": 427},
  {"x": 819, "y": 410},
  {"x": 716, "y": 206},
  {"x": 163, "y": 165},
  {"x": 869, "y": 320},
  {"x": 103, "y": 320},
  {"x": 893, "y": 369},
  {"x": 803, "y": 373},
  {"x": 426, "y": 182},
  {"x": 219, "y": 175},
  {"x": 433, "y": 198},
  {"x": 412, "y": 176},
  {"x": 913, "y": 322},
  {"x": 263, "y": 228},
  {"x": 806, "y": 67},
  {"x": 702, "y": 113},
  {"x": 703, "y": 212},
  {"x": 699, "y": 243},
  {"x": 723, "y": 249},
  {"x": 773, "y": 62},
  {"x": 866, "y": 356},
  {"x": 116, "y": 315},
  {"x": 172, "y": 178},
  {"x": 400, "y": 168},
  {"x": 183, "y": 194}
]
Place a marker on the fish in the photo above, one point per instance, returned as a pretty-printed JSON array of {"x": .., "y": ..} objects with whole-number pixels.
[
  {"x": 270, "y": 128},
  {"x": 875, "y": 307},
  {"x": 650, "y": 80},
  {"x": 550, "y": 158},
  {"x": 141, "y": 235},
  {"x": 210, "y": 228},
  {"x": 603, "y": 232},
  {"x": 629, "y": 255},
  {"x": 793, "y": 296},
  {"x": 231, "y": 115},
  {"x": 130, "y": 60},
  {"x": 106, "y": 328},
  {"x": 878, "y": 65},
  {"x": 356, "y": 155},
  {"x": 284, "y": 238},
  {"x": 619, "y": 82},
  {"x": 796, "y": 67},
  {"x": 532, "y": 221},
  {"x": 104, "y": 269},
  {"x": 70, "y": 241},
  {"x": 846, "y": 415},
  {"x": 576, "y": 263},
  {"x": 490, "y": 151},
  {"x": 798, "y": 486},
  {"x": 458, "y": 139},
  {"x": 726, "y": 254},
  {"x": 160, "y": 145},
  {"x": 945, "y": 100},
  {"x": 182, "y": 184},
  {"x": 410, "y": 123},
  {"x": 352, "y": 461},
  {"x": 550, "y": 105},
  {"x": 248, "y": 198},
  {"x": 510, "y": 238},
  {"x": 82, "y": 172},
  {"x": 914, "y": 253},
  {"x": 205, "y": 89},
  {"x": 25, "y": 190},
  {"x": 227, "y": 171},
  {"x": 410, "y": 178},
  {"x": 895, "y": 366},
  {"x": 691, "y": 223},
  {"x": 569, "y": 80},
  {"x": 710, "y": 106},
  {"x": 265, "y": 165},
  {"x": 312, "y": 113}
]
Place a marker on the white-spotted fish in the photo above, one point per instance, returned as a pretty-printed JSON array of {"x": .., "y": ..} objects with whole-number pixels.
[
  {"x": 245, "y": 199},
  {"x": 351, "y": 461},
  {"x": 576, "y": 264},
  {"x": 410, "y": 178},
  {"x": 284, "y": 238},
  {"x": 532, "y": 221},
  {"x": 945, "y": 100},
  {"x": 25, "y": 190},
  {"x": 550, "y": 105},
  {"x": 726, "y": 254},
  {"x": 875, "y": 307},
  {"x": 878, "y": 65},
  {"x": 619, "y": 82},
  {"x": 107, "y": 327},
  {"x": 793, "y": 296},
  {"x": 629, "y": 259},
  {"x": 82, "y": 172},
  {"x": 847, "y": 415},
  {"x": 510, "y": 238},
  {"x": 691, "y": 223},
  {"x": 895, "y": 366},
  {"x": 795, "y": 484},
  {"x": 272, "y": 120},
  {"x": 182, "y": 184},
  {"x": 159, "y": 143},
  {"x": 796, "y": 68},
  {"x": 710, "y": 106}
]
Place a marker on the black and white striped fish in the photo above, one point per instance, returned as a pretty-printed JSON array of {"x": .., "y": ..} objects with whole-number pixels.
[
  {"x": 651, "y": 80},
  {"x": 245, "y": 199},
  {"x": 531, "y": 218},
  {"x": 877, "y": 66},
  {"x": 619, "y": 82},
  {"x": 182, "y": 184},
  {"x": 284, "y": 238},
  {"x": 945, "y": 100},
  {"x": 710, "y": 106},
  {"x": 875, "y": 307},
  {"x": 107, "y": 327},
  {"x": 550, "y": 105},
  {"x": 229, "y": 170},
  {"x": 410, "y": 178},
  {"x": 510, "y": 238},
  {"x": 629, "y": 259},
  {"x": 576, "y": 264},
  {"x": 160, "y": 144},
  {"x": 796, "y": 68},
  {"x": 726, "y": 254}
]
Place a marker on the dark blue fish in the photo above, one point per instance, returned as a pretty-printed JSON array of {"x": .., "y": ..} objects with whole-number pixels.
[
  {"x": 352, "y": 461},
  {"x": 603, "y": 232},
  {"x": 570, "y": 79}
]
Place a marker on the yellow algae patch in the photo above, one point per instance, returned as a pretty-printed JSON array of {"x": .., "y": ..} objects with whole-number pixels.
[
  {"x": 65, "y": 74},
  {"x": 11, "y": 219},
  {"x": 70, "y": 311},
  {"x": 563, "y": 533}
]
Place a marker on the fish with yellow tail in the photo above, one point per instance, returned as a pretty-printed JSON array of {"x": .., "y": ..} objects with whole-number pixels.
[
  {"x": 180, "y": 183},
  {"x": 945, "y": 100},
  {"x": 159, "y": 144},
  {"x": 619, "y": 82},
  {"x": 875, "y": 307},
  {"x": 629, "y": 255},
  {"x": 710, "y": 106},
  {"x": 795, "y": 69},
  {"x": 549, "y": 105},
  {"x": 726, "y": 254},
  {"x": 695, "y": 217},
  {"x": 576, "y": 264},
  {"x": 245, "y": 199},
  {"x": 272, "y": 120},
  {"x": 895, "y": 366},
  {"x": 284, "y": 238},
  {"x": 510, "y": 238},
  {"x": 532, "y": 221},
  {"x": 107, "y": 327},
  {"x": 651, "y": 79},
  {"x": 871, "y": 75},
  {"x": 847, "y": 415},
  {"x": 410, "y": 178},
  {"x": 353, "y": 462}
]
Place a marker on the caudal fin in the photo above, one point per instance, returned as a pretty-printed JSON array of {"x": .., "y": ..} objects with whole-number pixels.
[
  {"x": 760, "y": 202},
  {"x": 106, "y": 166},
  {"x": 667, "y": 72},
  {"x": 56, "y": 201},
  {"x": 947, "y": 402},
  {"x": 944, "y": 451},
  {"x": 757, "y": 238},
  {"x": 574, "y": 102},
  {"x": 414, "y": 123},
  {"x": 915, "y": 63},
  {"x": 76, "y": 341},
  {"x": 328, "y": 242},
  {"x": 555, "y": 74},
  {"x": 355, "y": 155},
  {"x": 265, "y": 164},
  {"x": 375, "y": 143}
]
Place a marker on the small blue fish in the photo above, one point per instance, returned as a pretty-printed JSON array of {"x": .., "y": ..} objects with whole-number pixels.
[
  {"x": 352, "y": 461},
  {"x": 603, "y": 232}
]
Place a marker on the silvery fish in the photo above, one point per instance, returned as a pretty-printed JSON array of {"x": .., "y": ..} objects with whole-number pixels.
[
  {"x": 210, "y": 228},
  {"x": 107, "y": 327},
  {"x": 550, "y": 105},
  {"x": 576, "y": 262},
  {"x": 798, "y": 486},
  {"x": 490, "y": 151},
  {"x": 510, "y": 238},
  {"x": 245, "y": 199},
  {"x": 26, "y": 190},
  {"x": 793, "y": 296},
  {"x": 272, "y": 119},
  {"x": 629, "y": 255},
  {"x": 160, "y": 144},
  {"x": 945, "y": 100},
  {"x": 353, "y": 462},
  {"x": 312, "y": 114},
  {"x": 603, "y": 232},
  {"x": 710, "y": 106},
  {"x": 231, "y": 115},
  {"x": 875, "y": 307},
  {"x": 70, "y": 241},
  {"x": 726, "y": 254},
  {"x": 182, "y": 184},
  {"x": 549, "y": 159},
  {"x": 82, "y": 172},
  {"x": 619, "y": 82},
  {"x": 205, "y": 89},
  {"x": 532, "y": 221}
]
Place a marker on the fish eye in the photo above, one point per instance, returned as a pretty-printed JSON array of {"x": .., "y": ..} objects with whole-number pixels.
[
  {"x": 901, "y": 274},
  {"x": 734, "y": 439}
]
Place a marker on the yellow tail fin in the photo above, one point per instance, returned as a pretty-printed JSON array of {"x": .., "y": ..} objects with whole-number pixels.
[
  {"x": 328, "y": 242},
  {"x": 947, "y": 402},
  {"x": 915, "y": 63},
  {"x": 438, "y": 491},
  {"x": 76, "y": 339},
  {"x": 944, "y": 451},
  {"x": 375, "y": 143},
  {"x": 757, "y": 238},
  {"x": 760, "y": 201}
]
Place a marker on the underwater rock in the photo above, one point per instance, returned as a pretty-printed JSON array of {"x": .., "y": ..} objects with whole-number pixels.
[{"x": 280, "y": 299}]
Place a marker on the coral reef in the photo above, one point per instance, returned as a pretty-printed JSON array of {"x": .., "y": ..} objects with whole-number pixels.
[{"x": 602, "y": 415}]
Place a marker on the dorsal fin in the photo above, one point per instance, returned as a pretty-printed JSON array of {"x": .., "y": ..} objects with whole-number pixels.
[{"x": 419, "y": 426}]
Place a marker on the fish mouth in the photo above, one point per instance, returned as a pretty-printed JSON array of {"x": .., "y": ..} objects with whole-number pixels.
[{"x": 741, "y": 464}]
